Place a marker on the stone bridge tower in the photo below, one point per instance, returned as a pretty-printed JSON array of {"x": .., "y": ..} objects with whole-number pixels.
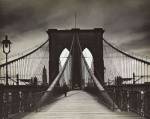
[{"x": 88, "y": 38}]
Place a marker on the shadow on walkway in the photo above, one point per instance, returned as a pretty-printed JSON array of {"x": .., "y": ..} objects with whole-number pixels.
[{"x": 51, "y": 102}]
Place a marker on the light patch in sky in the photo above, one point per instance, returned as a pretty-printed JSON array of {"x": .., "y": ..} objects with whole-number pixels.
[
  {"x": 88, "y": 57},
  {"x": 63, "y": 56}
]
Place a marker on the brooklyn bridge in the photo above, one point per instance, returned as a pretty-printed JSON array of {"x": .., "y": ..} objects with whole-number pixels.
[{"x": 107, "y": 83}]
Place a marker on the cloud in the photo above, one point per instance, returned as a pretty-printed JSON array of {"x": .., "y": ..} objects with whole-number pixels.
[
  {"x": 125, "y": 21},
  {"x": 143, "y": 43}
]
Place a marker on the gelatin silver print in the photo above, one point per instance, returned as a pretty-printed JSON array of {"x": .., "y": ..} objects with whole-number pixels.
[{"x": 74, "y": 59}]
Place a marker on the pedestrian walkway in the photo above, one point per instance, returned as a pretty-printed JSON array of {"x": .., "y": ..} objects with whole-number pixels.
[{"x": 78, "y": 105}]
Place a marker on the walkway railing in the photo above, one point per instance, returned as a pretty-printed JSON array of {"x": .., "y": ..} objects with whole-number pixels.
[
  {"x": 25, "y": 80},
  {"x": 15, "y": 99},
  {"x": 127, "y": 79}
]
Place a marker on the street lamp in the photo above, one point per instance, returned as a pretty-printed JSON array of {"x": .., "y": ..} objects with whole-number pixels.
[{"x": 6, "y": 49}]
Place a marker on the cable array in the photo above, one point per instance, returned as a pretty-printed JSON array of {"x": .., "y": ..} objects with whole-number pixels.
[{"x": 123, "y": 67}]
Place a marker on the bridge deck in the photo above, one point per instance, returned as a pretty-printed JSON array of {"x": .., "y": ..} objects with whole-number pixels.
[{"x": 78, "y": 105}]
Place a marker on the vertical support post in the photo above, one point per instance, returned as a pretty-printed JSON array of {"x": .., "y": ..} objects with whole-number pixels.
[
  {"x": 3, "y": 70},
  {"x": 147, "y": 72},
  {"x": 9, "y": 70},
  {"x": 141, "y": 72},
  {"x": 130, "y": 71},
  {"x": 17, "y": 76},
  {"x": 142, "y": 104},
  {"x": 114, "y": 93},
  {"x": 0, "y": 75},
  {"x": 6, "y": 70},
  {"x": 138, "y": 68},
  {"x": 144, "y": 73},
  {"x": 126, "y": 67},
  {"x": 133, "y": 78}
]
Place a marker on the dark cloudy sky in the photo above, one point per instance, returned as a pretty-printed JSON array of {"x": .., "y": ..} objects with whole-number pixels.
[{"x": 126, "y": 22}]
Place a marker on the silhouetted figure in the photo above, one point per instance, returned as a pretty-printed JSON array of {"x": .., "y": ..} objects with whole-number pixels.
[
  {"x": 65, "y": 89},
  {"x": 35, "y": 80}
]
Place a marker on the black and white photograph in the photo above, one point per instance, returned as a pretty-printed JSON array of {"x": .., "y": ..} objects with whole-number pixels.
[{"x": 74, "y": 59}]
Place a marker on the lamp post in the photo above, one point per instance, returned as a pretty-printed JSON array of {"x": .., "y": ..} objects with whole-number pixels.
[{"x": 6, "y": 49}]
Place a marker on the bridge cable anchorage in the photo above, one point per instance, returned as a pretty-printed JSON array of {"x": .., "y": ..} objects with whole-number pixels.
[
  {"x": 57, "y": 78},
  {"x": 99, "y": 86}
]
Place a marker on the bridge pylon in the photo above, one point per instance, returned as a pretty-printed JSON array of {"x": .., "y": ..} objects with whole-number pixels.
[{"x": 88, "y": 38}]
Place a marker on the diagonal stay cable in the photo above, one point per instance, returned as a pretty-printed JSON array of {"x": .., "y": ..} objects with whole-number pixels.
[
  {"x": 88, "y": 69},
  {"x": 58, "y": 77},
  {"x": 63, "y": 69},
  {"x": 100, "y": 87}
]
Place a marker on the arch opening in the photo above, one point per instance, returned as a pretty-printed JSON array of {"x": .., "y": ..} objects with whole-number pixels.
[
  {"x": 88, "y": 57},
  {"x": 66, "y": 78},
  {"x": 63, "y": 56},
  {"x": 86, "y": 77}
]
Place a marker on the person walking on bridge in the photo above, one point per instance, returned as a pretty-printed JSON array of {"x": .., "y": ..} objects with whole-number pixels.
[{"x": 65, "y": 89}]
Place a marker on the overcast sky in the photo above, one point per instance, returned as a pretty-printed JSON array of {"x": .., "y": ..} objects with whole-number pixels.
[{"x": 126, "y": 22}]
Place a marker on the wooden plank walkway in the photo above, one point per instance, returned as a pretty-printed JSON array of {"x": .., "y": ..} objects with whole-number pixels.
[{"x": 78, "y": 105}]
